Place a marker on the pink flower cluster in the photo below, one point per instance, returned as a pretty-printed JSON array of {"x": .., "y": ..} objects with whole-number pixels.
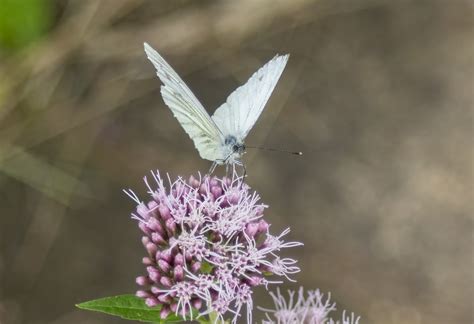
[
  {"x": 207, "y": 247},
  {"x": 312, "y": 309}
]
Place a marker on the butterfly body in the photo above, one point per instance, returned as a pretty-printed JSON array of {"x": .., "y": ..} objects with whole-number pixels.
[{"x": 219, "y": 138}]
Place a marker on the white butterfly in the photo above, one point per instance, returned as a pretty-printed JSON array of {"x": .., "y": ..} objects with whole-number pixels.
[{"x": 219, "y": 138}]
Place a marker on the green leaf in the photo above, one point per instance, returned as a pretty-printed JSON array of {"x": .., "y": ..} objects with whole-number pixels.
[
  {"x": 128, "y": 307},
  {"x": 206, "y": 267},
  {"x": 24, "y": 21}
]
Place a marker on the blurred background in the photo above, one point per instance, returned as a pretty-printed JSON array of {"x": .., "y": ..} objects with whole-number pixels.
[{"x": 377, "y": 93}]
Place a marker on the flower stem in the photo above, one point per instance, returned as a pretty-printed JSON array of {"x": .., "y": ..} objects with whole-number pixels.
[{"x": 213, "y": 319}]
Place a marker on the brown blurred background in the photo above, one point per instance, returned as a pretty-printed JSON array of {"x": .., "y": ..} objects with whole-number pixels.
[{"x": 377, "y": 93}]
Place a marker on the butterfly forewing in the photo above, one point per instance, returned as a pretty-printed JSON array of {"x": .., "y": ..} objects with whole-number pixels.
[
  {"x": 239, "y": 113},
  {"x": 187, "y": 109}
]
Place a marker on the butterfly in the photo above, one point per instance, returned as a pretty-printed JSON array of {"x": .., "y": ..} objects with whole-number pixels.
[{"x": 219, "y": 138}]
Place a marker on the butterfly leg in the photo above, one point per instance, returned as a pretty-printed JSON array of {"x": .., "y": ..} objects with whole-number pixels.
[
  {"x": 245, "y": 171},
  {"x": 241, "y": 164},
  {"x": 212, "y": 168}
]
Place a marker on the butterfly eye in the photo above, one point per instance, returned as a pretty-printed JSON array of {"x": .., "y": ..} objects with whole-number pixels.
[{"x": 235, "y": 148}]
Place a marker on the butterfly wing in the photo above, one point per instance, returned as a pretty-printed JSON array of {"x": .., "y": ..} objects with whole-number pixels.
[
  {"x": 187, "y": 109},
  {"x": 243, "y": 107}
]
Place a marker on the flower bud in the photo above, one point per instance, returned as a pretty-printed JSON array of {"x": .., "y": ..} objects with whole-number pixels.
[
  {"x": 216, "y": 191},
  {"x": 164, "y": 298},
  {"x": 171, "y": 226},
  {"x": 151, "y": 302},
  {"x": 197, "y": 303},
  {"x": 152, "y": 208},
  {"x": 165, "y": 311},
  {"x": 142, "y": 281},
  {"x": 145, "y": 240},
  {"x": 233, "y": 198},
  {"x": 151, "y": 248},
  {"x": 252, "y": 229},
  {"x": 167, "y": 255},
  {"x": 164, "y": 266},
  {"x": 262, "y": 226},
  {"x": 157, "y": 238},
  {"x": 178, "y": 273},
  {"x": 155, "y": 276},
  {"x": 164, "y": 212},
  {"x": 142, "y": 294},
  {"x": 174, "y": 307},
  {"x": 147, "y": 261},
  {"x": 144, "y": 228},
  {"x": 165, "y": 281},
  {"x": 193, "y": 182},
  {"x": 203, "y": 189},
  {"x": 179, "y": 259},
  {"x": 196, "y": 266},
  {"x": 154, "y": 225}
]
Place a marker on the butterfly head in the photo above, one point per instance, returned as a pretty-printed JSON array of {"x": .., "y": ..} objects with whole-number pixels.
[{"x": 235, "y": 147}]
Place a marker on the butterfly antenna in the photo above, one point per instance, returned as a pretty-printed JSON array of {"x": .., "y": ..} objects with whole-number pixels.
[{"x": 275, "y": 150}]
